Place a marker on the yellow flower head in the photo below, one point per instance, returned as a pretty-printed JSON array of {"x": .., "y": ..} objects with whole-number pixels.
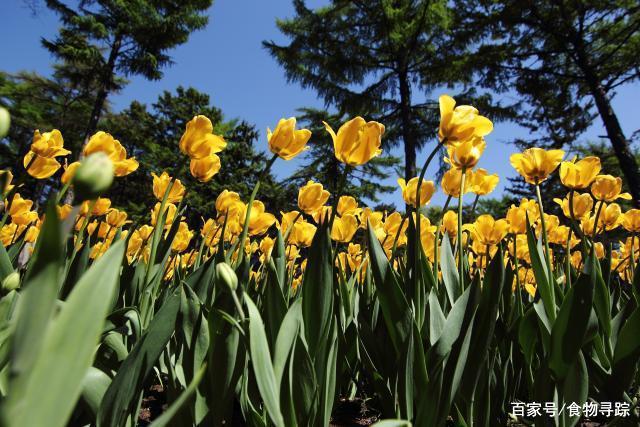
[
  {"x": 312, "y": 197},
  {"x": 535, "y": 164},
  {"x": 160, "y": 185},
  {"x": 116, "y": 218},
  {"x": 171, "y": 211},
  {"x": 451, "y": 182},
  {"x": 487, "y": 230},
  {"x": 48, "y": 144},
  {"x": 481, "y": 183},
  {"x": 286, "y": 141},
  {"x": 302, "y": 233},
  {"x": 608, "y": 188},
  {"x": 357, "y": 141},
  {"x": 582, "y": 204},
  {"x": 450, "y": 224},
  {"x": 198, "y": 140},
  {"x": 348, "y": 205},
  {"x": 579, "y": 175},
  {"x": 104, "y": 142},
  {"x": 610, "y": 216},
  {"x": 460, "y": 123},
  {"x": 205, "y": 168},
  {"x": 259, "y": 220},
  {"x": 182, "y": 239},
  {"x": 410, "y": 189},
  {"x": 40, "y": 167},
  {"x": 631, "y": 220},
  {"x": 228, "y": 201},
  {"x": 69, "y": 172},
  {"x": 344, "y": 228},
  {"x": 465, "y": 154}
]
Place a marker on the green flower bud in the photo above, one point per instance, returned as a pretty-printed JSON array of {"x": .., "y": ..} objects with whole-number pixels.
[
  {"x": 93, "y": 177},
  {"x": 11, "y": 282},
  {"x": 226, "y": 275},
  {"x": 5, "y": 122}
]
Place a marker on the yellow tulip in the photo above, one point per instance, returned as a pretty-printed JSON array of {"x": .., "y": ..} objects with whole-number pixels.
[
  {"x": 116, "y": 218},
  {"x": 370, "y": 216},
  {"x": 259, "y": 220},
  {"x": 465, "y": 154},
  {"x": 5, "y": 182},
  {"x": 347, "y": 205},
  {"x": 40, "y": 167},
  {"x": 535, "y": 164},
  {"x": 579, "y": 175},
  {"x": 32, "y": 233},
  {"x": 582, "y": 204},
  {"x": 450, "y": 224},
  {"x": 105, "y": 143},
  {"x": 312, "y": 197},
  {"x": 392, "y": 225},
  {"x": 608, "y": 188},
  {"x": 169, "y": 208},
  {"x": 631, "y": 220},
  {"x": 182, "y": 238},
  {"x": 410, "y": 189},
  {"x": 198, "y": 140},
  {"x": 610, "y": 217},
  {"x": 288, "y": 219},
  {"x": 344, "y": 228},
  {"x": 460, "y": 123},
  {"x": 100, "y": 207},
  {"x": 160, "y": 185},
  {"x": 481, "y": 183},
  {"x": 24, "y": 218},
  {"x": 228, "y": 201},
  {"x": 302, "y": 233},
  {"x": 48, "y": 144},
  {"x": 205, "y": 168},
  {"x": 451, "y": 182},
  {"x": 488, "y": 231},
  {"x": 286, "y": 141},
  {"x": 69, "y": 172},
  {"x": 357, "y": 141}
]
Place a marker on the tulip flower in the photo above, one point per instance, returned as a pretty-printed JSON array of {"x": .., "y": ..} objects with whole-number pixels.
[
  {"x": 357, "y": 141},
  {"x": 205, "y": 168},
  {"x": 69, "y": 172},
  {"x": 302, "y": 233},
  {"x": 460, "y": 123},
  {"x": 228, "y": 201},
  {"x": 171, "y": 211},
  {"x": 348, "y": 205},
  {"x": 259, "y": 220},
  {"x": 631, "y": 220},
  {"x": 450, "y": 224},
  {"x": 451, "y": 182},
  {"x": 579, "y": 175},
  {"x": 104, "y": 142},
  {"x": 535, "y": 164},
  {"x": 487, "y": 230},
  {"x": 481, "y": 183},
  {"x": 465, "y": 154},
  {"x": 608, "y": 188},
  {"x": 344, "y": 228},
  {"x": 409, "y": 191},
  {"x": 312, "y": 197},
  {"x": 198, "y": 140},
  {"x": 40, "y": 162},
  {"x": 582, "y": 204},
  {"x": 182, "y": 239},
  {"x": 160, "y": 185},
  {"x": 286, "y": 141}
]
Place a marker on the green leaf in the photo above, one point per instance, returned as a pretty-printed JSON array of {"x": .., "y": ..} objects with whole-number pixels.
[
  {"x": 286, "y": 338},
  {"x": 543, "y": 280},
  {"x": 450, "y": 275},
  {"x": 262, "y": 366},
  {"x": 6, "y": 267},
  {"x": 118, "y": 400},
  {"x": 568, "y": 331},
  {"x": 94, "y": 385},
  {"x": 392, "y": 423},
  {"x": 68, "y": 347}
]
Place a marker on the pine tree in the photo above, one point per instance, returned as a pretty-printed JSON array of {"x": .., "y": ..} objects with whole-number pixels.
[
  {"x": 375, "y": 59},
  {"x": 563, "y": 59},
  {"x": 105, "y": 41},
  {"x": 152, "y": 135}
]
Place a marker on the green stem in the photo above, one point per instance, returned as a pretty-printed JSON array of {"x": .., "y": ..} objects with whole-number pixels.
[
  {"x": 245, "y": 228},
  {"x": 460, "y": 249}
]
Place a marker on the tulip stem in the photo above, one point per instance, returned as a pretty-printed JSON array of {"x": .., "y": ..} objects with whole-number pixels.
[
  {"x": 544, "y": 236},
  {"x": 460, "y": 249},
  {"x": 245, "y": 228},
  {"x": 568, "y": 256}
]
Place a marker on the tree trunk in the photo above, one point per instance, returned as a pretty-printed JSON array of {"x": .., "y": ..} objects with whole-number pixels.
[
  {"x": 408, "y": 135},
  {"x": 615, "y": 134},
  {"x": 105, "y": 88}
]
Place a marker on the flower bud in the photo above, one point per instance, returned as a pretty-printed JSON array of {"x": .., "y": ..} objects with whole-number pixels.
[
  {"x": 226, "y": 275},
  {"x": 11, "y": 282},
  {"x": 93, "y": 177},
  {"x": 5, "y": 122}
]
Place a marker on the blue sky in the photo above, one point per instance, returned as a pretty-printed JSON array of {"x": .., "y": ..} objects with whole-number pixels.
[{"x": 227, "y": 61}]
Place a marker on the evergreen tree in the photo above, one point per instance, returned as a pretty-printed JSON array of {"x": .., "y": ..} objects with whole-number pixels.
[
  {"x": 375, "y": 59},
  {"x": 105, "y": 41},
  {"x": 564, "y": 59},
  {"x": 152, "y": 135},
  {"x": 321, "y": 165}
]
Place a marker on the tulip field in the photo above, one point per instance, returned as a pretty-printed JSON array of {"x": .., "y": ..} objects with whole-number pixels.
[{"x": 259, "y": 318}]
